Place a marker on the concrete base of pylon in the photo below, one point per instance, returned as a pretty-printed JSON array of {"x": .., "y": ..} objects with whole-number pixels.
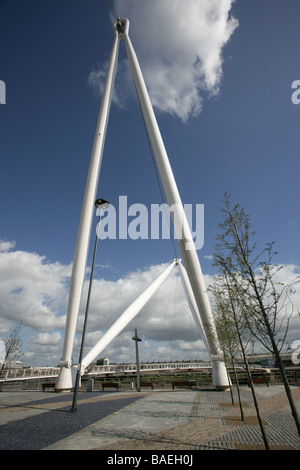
[
  {"x": 219, "y": 375},
  {"x": 66, "y": 379}
]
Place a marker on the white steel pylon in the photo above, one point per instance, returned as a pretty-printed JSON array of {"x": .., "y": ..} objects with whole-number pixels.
[{"x": 190, "y": 258}]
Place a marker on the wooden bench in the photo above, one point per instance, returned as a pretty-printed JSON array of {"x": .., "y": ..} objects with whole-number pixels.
[
  {"x": 261, "y": 380},
  {"x": 111, "y": 385},
  {"x": 48, "y": 385},
  {"x": 184, "y": 383},
  {"x": 147, "y": 384}
]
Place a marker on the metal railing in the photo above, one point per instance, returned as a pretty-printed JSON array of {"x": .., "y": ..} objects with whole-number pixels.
[
  {"x": 146, "y": 367},
  {"x": 26, "y": 373}
]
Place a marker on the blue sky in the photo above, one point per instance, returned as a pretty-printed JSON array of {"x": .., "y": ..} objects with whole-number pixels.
[{"x": 245, "y": 140}]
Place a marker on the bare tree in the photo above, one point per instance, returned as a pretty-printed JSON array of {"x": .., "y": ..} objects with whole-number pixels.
[
  {"x": 13, "y": 347},
  {"x": 265, "y": 304},
  {"x": 226, "y": 331},
  {"x": 234, "y": 338}
]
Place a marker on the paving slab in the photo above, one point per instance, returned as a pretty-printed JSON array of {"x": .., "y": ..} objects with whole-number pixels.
[{"x": 152, "y": 413}]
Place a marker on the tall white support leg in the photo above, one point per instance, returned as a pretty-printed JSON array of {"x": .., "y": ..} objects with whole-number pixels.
[
  {"x": 186, "y": 243},
  {"x": 66, "y": 377},
  {"x": 129, "y": 314}
]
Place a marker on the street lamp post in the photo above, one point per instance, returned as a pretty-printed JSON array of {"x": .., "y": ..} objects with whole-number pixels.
[
  {"x": 138, "y": 381},
  {"x": 99, "y": 204}
]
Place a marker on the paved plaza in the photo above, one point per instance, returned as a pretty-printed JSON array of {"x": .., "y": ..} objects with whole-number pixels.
[{"x": 179, "y": 420}]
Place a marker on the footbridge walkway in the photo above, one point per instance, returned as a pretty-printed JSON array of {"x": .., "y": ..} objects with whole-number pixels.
[{"x": 31, "y": 373}]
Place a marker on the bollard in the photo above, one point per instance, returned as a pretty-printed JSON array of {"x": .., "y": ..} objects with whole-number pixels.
[{"x": 90, "y": 385}]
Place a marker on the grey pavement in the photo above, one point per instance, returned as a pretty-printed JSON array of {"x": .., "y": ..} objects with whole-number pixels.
[
  {"x": 156, "y": 412},
  {"x": 160, "y": 420}
]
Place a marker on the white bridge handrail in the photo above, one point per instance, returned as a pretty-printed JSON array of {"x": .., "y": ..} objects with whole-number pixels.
[
  {"x": 29, "y": 373},
  {"x": 155, "y": 366},
  {"x": 26, "y": 373}
]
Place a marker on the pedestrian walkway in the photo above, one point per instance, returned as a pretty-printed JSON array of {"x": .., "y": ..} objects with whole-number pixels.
[{"x": 182, "y": 419}]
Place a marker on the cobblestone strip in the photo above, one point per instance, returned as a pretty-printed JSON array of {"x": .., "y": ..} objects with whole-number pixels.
[
  {"x": 280, "y": 428},
  {"x": 182, "y": 437}
]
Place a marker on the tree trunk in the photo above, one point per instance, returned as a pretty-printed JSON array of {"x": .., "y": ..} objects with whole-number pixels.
[{"x": 239, "y": 394}]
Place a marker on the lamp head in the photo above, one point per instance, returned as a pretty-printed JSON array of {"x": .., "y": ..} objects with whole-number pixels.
[{"x": 101, "y": 203}]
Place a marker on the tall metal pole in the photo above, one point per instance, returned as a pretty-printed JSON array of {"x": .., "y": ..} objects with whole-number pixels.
[
  {"x": 138, "y": 379},
  {"x": 100, "y": 204}
]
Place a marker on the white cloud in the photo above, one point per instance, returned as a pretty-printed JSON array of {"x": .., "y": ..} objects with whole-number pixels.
[
  {"x": 34, "y": 291},
  {"x": 288, "y": 275},
  {"x": 179, "y": 46},
  {"x": 97, "y": 77},
  {"x": 47, "y": 338},
  {"x": 6, "y": 245}
]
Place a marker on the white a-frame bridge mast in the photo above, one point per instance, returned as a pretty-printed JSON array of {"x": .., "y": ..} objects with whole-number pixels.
[{"x": 188, "y": 251}]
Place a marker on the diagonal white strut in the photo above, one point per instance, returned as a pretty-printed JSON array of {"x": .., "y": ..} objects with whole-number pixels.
[
  {"x": 182, "y": 228},
  {"x": 192, "y": 304},
  {"x": 127, "y": 316},
  {"x": 136, "y": 306}
]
